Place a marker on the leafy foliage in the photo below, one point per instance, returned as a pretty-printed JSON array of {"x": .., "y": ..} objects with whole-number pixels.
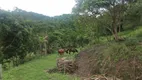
[{"x": 23, "y": 33}]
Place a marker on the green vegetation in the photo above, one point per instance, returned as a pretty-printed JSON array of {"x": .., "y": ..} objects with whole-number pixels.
[
  {"x": 25, "y": 37},
  {"x": 37, "y": 70}
]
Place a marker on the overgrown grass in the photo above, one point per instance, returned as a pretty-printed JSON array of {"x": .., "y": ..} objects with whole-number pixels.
[
  {"x": 131, "y": 33},
  {"x": 36, "y": 70},
  {"x": 125, "y": 34}
]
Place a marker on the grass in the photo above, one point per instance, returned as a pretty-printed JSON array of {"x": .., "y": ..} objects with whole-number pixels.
[
  {"x": 131, "y": 33},
  {"x": 36, "y": 70},
  {"x": 124, "y": 34}
]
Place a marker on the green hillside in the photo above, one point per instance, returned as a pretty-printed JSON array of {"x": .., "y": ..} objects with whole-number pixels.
[
  {"x": 36, "y": 70},
  {"x": 105, "y": 34}
]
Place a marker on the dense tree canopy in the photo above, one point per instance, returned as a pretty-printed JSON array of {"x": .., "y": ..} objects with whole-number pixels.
[
  {"x": 23, "y": 33},
  {"x": 109, "y": 13}
]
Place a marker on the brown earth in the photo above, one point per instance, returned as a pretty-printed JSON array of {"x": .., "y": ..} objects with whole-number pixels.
[
  {"x": 92, "y": 61},
  {"x": 86, "y": 61}
]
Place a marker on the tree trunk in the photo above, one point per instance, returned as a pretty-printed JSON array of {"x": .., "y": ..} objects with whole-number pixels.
[
  {"x": 0, "y": 71},
  {"x": 114, "y": 26},
  {"x": 16, "y": 61},
  {"x": 116, "y": 34},
  {"x": 40, "y": 48},
  {"x": 45, "y": 48},
  {"x": 115, "y": 22}
]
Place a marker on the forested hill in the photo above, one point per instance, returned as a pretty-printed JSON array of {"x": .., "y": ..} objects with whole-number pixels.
[
  {"x": 28, "y": 15},
  {"x": 23, "y": 33},
  {"x": 113, "y": 27}
]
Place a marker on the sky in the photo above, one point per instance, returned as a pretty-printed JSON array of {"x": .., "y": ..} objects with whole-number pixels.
[{"x": 46, "y": 7}]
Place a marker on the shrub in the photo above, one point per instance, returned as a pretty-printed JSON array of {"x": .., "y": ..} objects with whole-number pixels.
[{"x": 115, "y": 59}]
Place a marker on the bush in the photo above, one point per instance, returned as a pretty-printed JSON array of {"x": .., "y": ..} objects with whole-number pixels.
[
  {"x": 29, "y": 57},
  {"x": 131, "y": 41},
  {"x": 117, "y": 52},
  {"x": 113, "y": 59}
]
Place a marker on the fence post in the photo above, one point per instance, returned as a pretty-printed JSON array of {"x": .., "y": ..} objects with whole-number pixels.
[{"x": 0, "y": 71}]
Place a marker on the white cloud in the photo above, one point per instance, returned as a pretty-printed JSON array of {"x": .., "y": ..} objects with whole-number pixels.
[{"x": 46, "y": 7}]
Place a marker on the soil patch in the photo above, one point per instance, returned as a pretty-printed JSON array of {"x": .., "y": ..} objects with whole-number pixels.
[{"x": 111, "y": 61}]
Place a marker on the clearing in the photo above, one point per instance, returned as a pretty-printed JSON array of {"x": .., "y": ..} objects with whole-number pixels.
[{"x": 36, "y": 70}]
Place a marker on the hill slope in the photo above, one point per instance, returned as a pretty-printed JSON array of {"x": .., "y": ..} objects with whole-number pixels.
[{"x": 36, "y": 70}]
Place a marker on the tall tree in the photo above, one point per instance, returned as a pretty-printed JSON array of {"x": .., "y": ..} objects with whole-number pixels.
[{"x": 113, "y": 8}]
